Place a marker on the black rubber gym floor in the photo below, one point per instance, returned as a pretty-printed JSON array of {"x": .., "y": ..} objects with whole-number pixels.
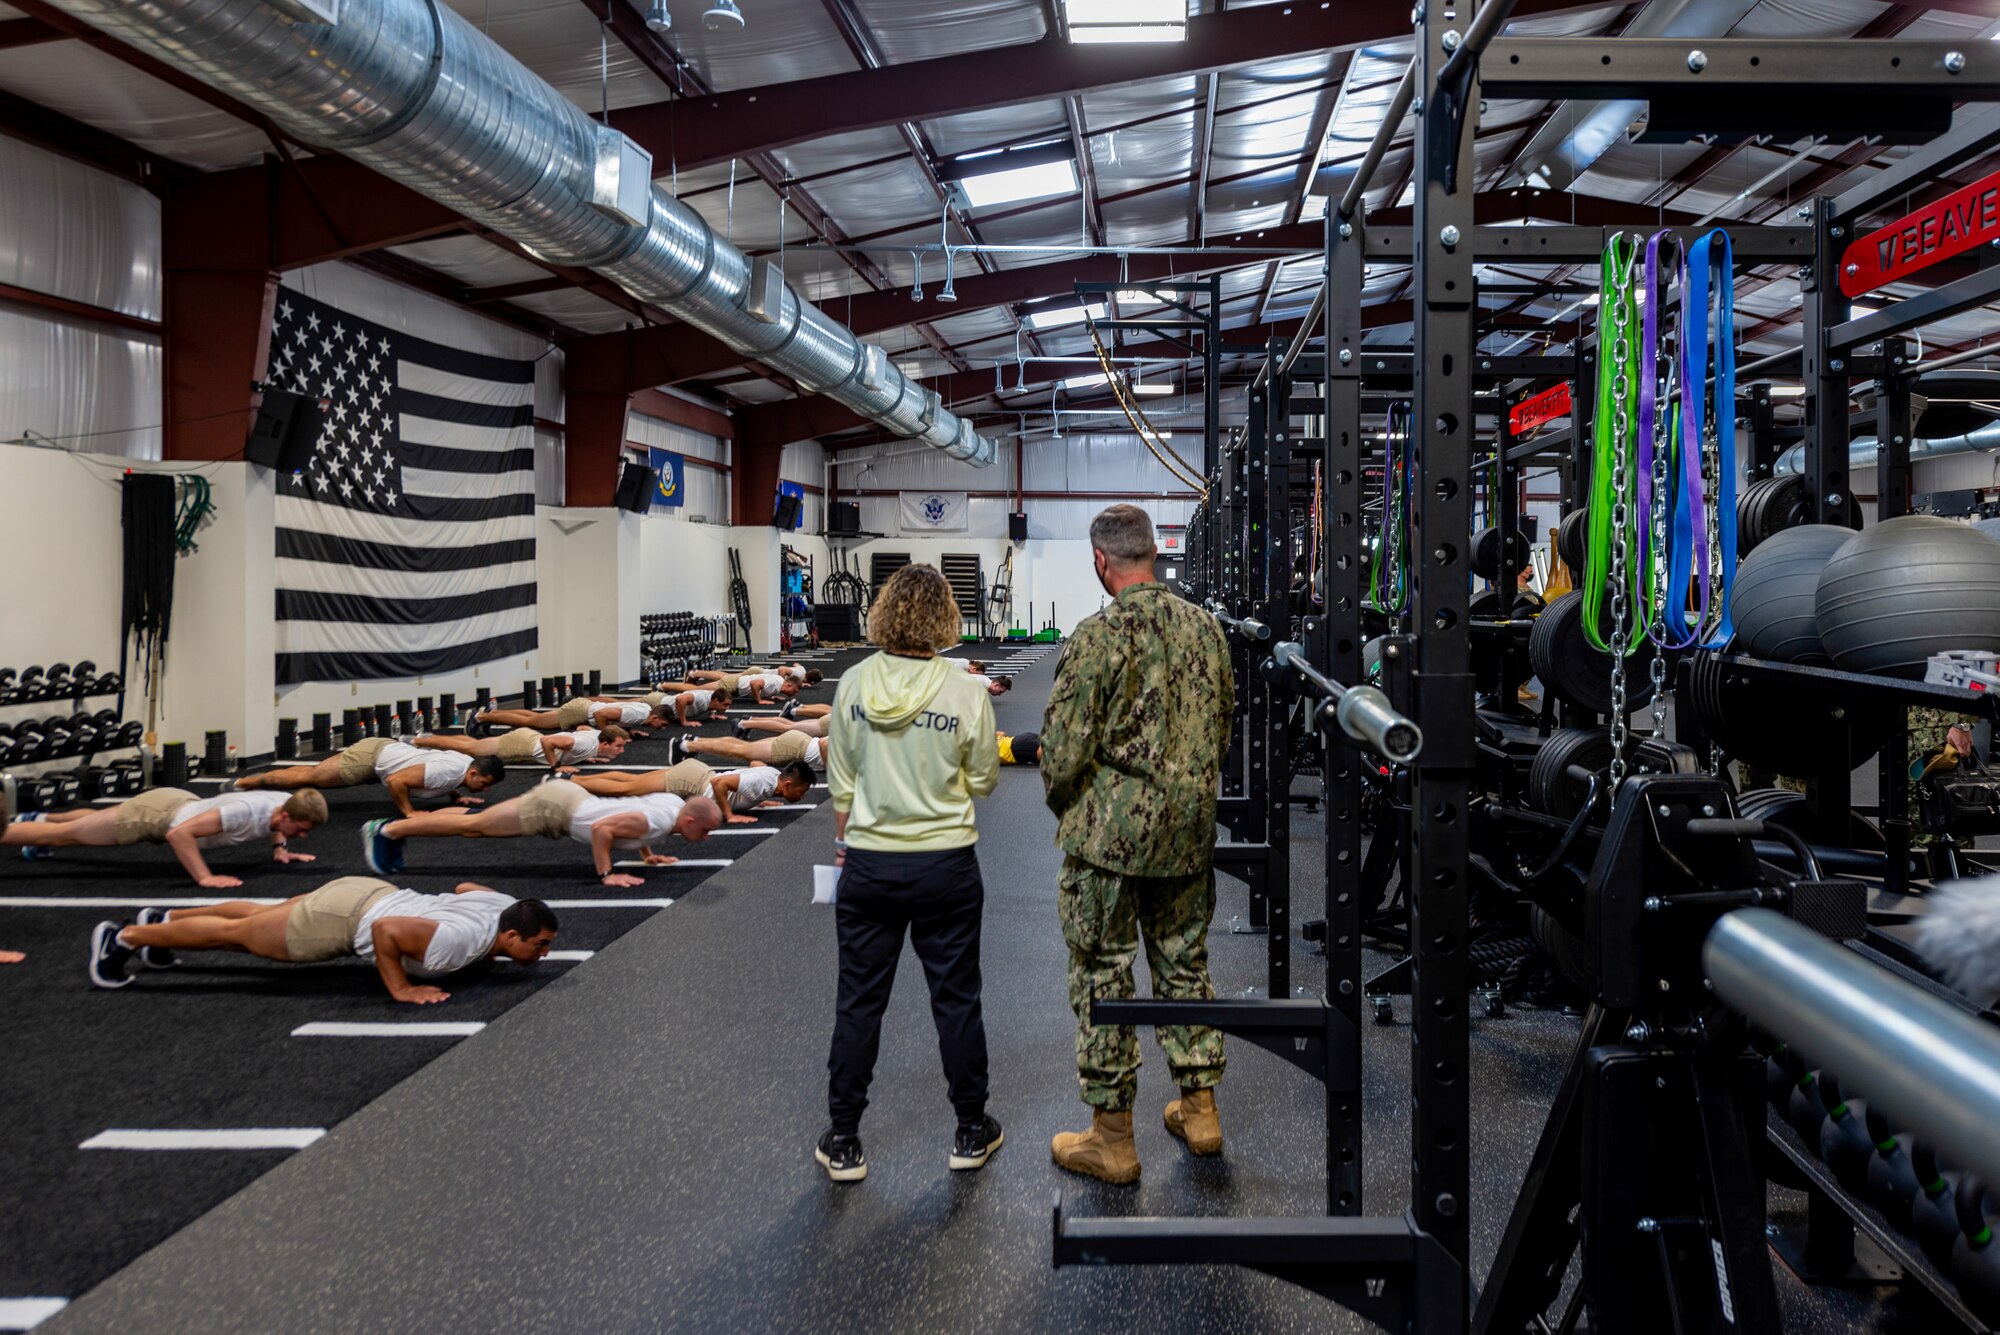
[
  {"x": 208, "y": 1044},
  {"x": 631, "y": 1148}
]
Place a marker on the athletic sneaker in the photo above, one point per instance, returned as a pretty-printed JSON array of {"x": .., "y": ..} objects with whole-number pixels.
[
  {"x": 385, "y": 855},
  {"x": 109, "y": 961},
  {"x": 790, "y": 709},
  {"x": 974, "y": 1144},
  {"x": 742, "y": 730},
  {"x": 154, "y": 957},
  {"x": 677, "y": 749},
  {"x": 29, "y": 852},
  {"x": 841, "y": 1156}
]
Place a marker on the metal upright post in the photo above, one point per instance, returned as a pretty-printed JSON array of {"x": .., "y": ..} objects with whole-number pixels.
[
  {"x": 1340, "y": 543},
  {"x": 1827, "y": 483},
  {"x": 1892, "y": 498},
  {"x": 1270, "y": 757},
  {"x": 1442, "y": 683},
  {"x": 1763, "y": 434}
]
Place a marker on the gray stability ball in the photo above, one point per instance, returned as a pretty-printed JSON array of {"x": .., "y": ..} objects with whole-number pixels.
[
  {"x": 1905, "y": 589},
  {"x": 1773, "y": 601}
]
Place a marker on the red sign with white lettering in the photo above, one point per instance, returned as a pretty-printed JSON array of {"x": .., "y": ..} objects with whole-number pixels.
[
  {"x": 1959, "y": 222},
  {"x": 1546, "y": 406}
]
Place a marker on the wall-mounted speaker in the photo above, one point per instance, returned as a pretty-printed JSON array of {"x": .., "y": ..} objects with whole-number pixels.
[
  {"x": 789, "y": 509},
  {"x": 843, "y": 519},
  {"x": 286, "y": 429},
  {"x": 637, "y": 485},
  {"x": 1017, "y": 526}
]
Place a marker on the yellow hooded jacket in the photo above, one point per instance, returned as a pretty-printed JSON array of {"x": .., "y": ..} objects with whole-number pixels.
[{"x": 911, "y": 746}]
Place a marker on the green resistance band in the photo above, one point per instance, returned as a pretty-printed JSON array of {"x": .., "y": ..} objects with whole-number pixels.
[{"x": 1613, "y": 475}]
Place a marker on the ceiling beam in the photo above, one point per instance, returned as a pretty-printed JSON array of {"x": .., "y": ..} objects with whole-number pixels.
[
  {"x": 28, "y": 32},
  {"x": 715, "y": 127},
  {"x": 789, "y": 420},
  {"x": 1198, "y": 157},
  {"x": 35, "y": 124}
]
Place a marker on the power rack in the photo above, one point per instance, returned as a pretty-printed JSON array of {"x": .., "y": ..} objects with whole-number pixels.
[{"x": 1411, "y": 1273}]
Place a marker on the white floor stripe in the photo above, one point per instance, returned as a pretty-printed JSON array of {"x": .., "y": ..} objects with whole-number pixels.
[
  {"x": 27, "y": 1313},
  {"x": 793, "y": 806},
  {"x": 238, "y": 1138},
  {"x": 569, "y": 956},
  {"x": 106, "y": 902},
  {"x": 720, "y": 834},
  {"x": 388, "y": 1029},
  {"x": 608, "y": 903},
  {"x": 819, "y": 785},
  {"x": 683, "y": 862}
]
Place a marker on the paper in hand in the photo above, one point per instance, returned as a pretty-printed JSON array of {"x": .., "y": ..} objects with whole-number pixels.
[{"x": 826, "y": 884}]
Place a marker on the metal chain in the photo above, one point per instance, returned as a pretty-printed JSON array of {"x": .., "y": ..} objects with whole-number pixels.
[
  {"x": 1663, "y": 596},
  {"x": 1711, "y": 471},
  {"x": 1621, "y": 514}
]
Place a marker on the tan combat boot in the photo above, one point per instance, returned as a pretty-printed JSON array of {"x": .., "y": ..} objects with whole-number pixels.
[
  {"x": 1192, "y": 1118},
  {"x": 1105, "y": 1152}
]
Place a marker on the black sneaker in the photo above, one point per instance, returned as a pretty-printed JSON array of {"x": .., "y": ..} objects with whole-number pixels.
[
  {"x": 109, "y": 961},
  {"x": 154, "y": 957},
  {"x": 742, "y": 730},
  {"x": 974, "y": 1144},
  {"x": 841, "y": 1156},
  {"x": 790, "y": 709}
]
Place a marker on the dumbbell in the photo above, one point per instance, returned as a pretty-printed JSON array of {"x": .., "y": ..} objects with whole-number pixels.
[
  {"x": 131, "y": 733},
  {"x": 31, "y": 741},
  {"x": 8, "y": 746},
  {"x": 85, "y": 675},
  {"x": 31, "y": 687},
  {"x": 9, "y": 685},
  {"x": 68, "y": 789},
  {"x": 59, "y": 679},
  {"x": 83, "y": 730},
  {"x": 125, "y": 779},
  {"x": 109, "y": 683},
  {"x": 90, "y": 781}
]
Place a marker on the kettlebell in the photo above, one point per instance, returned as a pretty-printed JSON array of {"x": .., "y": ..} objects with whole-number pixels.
[
  {"x": 1843, "y": 1135},
  {"x": 1975, "y": 1257},
  {"x": 1778, "y": 1078},
  {"x": 1933, "y": 1211},
  {"x": 1806, "y": 1109},
  {"x": 1892, "y": 1183}
]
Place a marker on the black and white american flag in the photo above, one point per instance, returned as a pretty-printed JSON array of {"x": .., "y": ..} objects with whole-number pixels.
[{"x": 407, "y": 546}]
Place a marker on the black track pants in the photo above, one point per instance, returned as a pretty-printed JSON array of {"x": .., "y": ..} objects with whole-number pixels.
[{"x": 937, "y": 898}]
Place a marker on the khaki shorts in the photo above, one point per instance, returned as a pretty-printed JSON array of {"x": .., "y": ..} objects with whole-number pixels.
[
  {"x": 789, "y": 746},
  {"x": 574, "y": 713},
  {"x": 518, "y": 747},
  {"x": 687, "y": 779},
  {"x": 357, "y": 762},
  {"x": 728, "y": 684},
  {"x": 322, "y": 925},
  {"x": 546, "y": 811},
  {"x": 147, "y": 818},
  {"x": 654, "y": 699}
]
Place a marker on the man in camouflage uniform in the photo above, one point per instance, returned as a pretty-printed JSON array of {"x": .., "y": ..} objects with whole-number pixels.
[
  {"x": 1931, "y": 731},
  {"x": 1132, "y": 750}
]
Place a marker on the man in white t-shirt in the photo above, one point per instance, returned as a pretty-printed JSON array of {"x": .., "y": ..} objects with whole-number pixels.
[
  {"x": 562, "y": 752},
  {"x": 780, "y": 750},
  {"x": 555, "y": 810},
  {"x": 993, "y": 685},
  {"x": 411, "y": 775},
  {"x": 737, "y": 791},
  {"x": 404, "y": 934},
  {"x": 972, "y": 665},
  {"x": 688, "y": 706},
  {"x": 580, "y": 712},
  {"x": 757, "y": 688},
  {"x": 184, "y": 823}
]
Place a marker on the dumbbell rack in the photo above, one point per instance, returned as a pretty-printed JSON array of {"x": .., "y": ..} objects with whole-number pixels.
[
  {"x": 671, "y": 644},
  {"x": 77, "y": 736}
]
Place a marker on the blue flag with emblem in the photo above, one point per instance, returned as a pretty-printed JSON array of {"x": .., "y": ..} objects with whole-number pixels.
[{"x": 671, "y": 489}]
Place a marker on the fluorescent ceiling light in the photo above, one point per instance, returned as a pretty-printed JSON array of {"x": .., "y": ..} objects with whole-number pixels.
[
  {"x": 1133, "y": 294},
  {"x": 1015, "y": 184},
  {"x": 1085, "y": 381},
  {"x": 1157, "y": 435},
  {"x": 1055, "y": 317},
  {"x": 1129, "y": 32},
  {"x": 1788, "y": 391},
  {"x": 1125, "y": 11},
  {"x": 1156, "y": 388}
]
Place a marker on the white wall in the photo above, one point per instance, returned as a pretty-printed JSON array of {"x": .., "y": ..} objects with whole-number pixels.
[
  {"x": 683, "y": 567},
  {"x": 588, "y": 563},
  {"x": 757, "y": 546},
  {"x": 1047, "y": 571}
]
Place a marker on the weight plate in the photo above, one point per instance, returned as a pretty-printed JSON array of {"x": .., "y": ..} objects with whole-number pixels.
[
  {"x": 1485, "y": 603},
  {"x": 1769, "y": 726},
  {"x": 1567, "y": 665},
  {"x": 1486, "y": 554},
  {"x": 1573, "y": 539},
  {"x": 1553, "y": 790},
  {"x": 1790, "y": 810}
]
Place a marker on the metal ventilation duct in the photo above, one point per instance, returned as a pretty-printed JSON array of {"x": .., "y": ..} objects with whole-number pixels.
[
  {"x": 1861, "y": 453},
  {"x": 414, "y": 91}
]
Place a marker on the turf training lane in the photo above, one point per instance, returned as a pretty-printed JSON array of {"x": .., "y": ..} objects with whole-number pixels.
[{"x": 228, "y": 1045}]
